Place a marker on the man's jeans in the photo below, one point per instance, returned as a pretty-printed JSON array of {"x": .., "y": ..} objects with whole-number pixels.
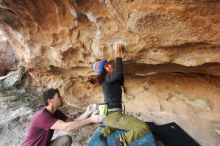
[{"x": 65, "y": 140}]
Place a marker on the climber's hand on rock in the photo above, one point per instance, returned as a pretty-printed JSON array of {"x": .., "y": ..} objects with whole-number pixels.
[{"x": 118, "y": 50}]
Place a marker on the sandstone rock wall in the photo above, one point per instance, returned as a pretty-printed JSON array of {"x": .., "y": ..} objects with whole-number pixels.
[{"x": 7, "y": 56}]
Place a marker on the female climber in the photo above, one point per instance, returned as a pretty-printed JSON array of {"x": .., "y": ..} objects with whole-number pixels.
[{"x": 111, "y": 80}]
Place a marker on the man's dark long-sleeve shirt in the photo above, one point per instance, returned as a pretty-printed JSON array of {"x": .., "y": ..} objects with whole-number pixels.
[{"x": 111, "y": 86}]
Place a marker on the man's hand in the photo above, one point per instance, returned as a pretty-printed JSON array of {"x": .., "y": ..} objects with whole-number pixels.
[
  {"x": 90, "y": 109},
  {"x": 97, "y": 118},
  {"x": 118, "y": 50}
]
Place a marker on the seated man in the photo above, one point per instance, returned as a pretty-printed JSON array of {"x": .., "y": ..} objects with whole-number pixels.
[{"x": 48, "y": 119}]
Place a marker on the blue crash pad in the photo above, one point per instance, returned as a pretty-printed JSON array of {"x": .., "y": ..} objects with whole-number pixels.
[{"x": 146, "y": 140}]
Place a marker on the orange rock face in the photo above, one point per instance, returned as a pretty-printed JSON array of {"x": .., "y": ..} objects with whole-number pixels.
[
  {"x": 171, "y": 58},
  {"x": 7, "y": 57}
]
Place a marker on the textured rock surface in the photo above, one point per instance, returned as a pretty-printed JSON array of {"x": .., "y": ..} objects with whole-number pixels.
[
  {"x": 12, "y": 79},
  {"x": 7, "y": 56},
  {"x": 14, "y": 117},
  {"x": 171, "y": 60}
]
